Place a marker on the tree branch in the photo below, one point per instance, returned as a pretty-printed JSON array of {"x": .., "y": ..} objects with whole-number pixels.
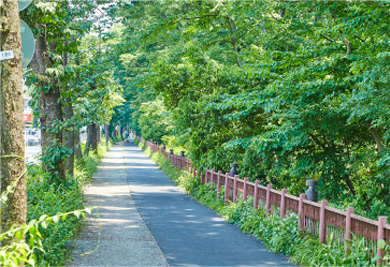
[
  {"x": 327, "y": 38},
  {"x": 380, "y": 6},
  {"x": 231, "y": 28}
]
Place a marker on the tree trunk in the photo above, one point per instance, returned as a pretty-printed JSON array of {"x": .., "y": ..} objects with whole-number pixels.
[
  {"x": 89, "y": 139},
  {"x": 50, "y": 110},
  {"x": 94, "y": 138},
  {"x": 77, "y": 148},
  {"x": 12, "y": 172},
  {"x": 106, "y": 133},
  {"x": 68, "y": 136},
  {"x": 98, "y": 134}
]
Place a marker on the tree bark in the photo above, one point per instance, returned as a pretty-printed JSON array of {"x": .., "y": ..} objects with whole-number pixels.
[
  {"x": 50, "y": 109},
  {"x": 98, "y": 134},
  {"x": 377, "y": 139},
  {"x": 12, "y": 172},
  {"x": 94, "y": 138},
  {"x": 106, "y": 133},
  {"x": 77, "y": 148},
  {"x": 68, "y": 136},
  {"x": 89, "y": 139}
]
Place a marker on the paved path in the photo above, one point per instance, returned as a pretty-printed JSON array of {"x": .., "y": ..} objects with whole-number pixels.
[
  {"x": 188, "y": 233},
  {"x": 125, "y": 239}
]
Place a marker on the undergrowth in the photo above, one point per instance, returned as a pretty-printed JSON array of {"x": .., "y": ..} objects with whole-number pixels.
[
  {"x": 45, "y": 198},
  {"x": 280, "y": 235}
]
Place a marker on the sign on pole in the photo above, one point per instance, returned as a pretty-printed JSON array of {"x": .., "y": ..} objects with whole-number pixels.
[
  {"x": 23, "y": 4},
  {"x": 28, "y": 44}
]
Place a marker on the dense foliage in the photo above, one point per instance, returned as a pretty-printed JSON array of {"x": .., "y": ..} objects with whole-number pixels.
[{"x": 288, "y": 90}]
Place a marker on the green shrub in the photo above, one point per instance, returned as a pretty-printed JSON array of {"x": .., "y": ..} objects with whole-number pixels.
[{"x": 45, "y": 198}]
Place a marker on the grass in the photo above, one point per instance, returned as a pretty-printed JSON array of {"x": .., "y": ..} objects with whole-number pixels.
[{"x": 46, "y": 198}]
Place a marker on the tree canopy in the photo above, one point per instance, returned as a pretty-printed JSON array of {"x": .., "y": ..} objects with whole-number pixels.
[{"x": 288, "y": 90}]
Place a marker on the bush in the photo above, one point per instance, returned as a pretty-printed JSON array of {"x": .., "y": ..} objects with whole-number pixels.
[{"x": 44, "y": 198}]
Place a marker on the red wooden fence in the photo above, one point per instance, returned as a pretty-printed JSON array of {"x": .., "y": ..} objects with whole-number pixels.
[{"x": 316, "y": 218}]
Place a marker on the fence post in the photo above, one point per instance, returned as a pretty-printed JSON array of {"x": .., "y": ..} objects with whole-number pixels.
[
  {"x": 322, "y": 229},
  {"x": 235, "y": 188},
  {"x": 347, "y": 236},
  {"x": 382, "y": 220},
  {"x": 212, "y": 175},
  {"x": 255, "y": 194},
  {"x": 268, "y": 199},
  {"x": 226, "y": 186},
  {"x": 245, "y": 187},
  {"x": 202, "y": 176},
  {"x": 283, "y": 203},
  {"x": 218, "y": 183},
  {"x": 205, "y": 177},
  {"x": 301, "y": 220}
]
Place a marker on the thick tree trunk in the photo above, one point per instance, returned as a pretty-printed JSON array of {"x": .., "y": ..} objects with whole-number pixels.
[
  {"x": 77, "y": 147},
  {"x": 68, "y": 133},
  {"x": 68, "y": 136},
  {"x": 106, "y": 133},
  {"x": 94, "y": 137},
  {"x": 89, "y": 139},
  {"x": 50, "y": 110},
  {"x": 98, "y": 134},
  {"x": 12, "y": 172}
]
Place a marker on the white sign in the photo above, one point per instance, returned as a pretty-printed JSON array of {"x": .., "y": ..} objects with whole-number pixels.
[{"x": 4, "y": 55}]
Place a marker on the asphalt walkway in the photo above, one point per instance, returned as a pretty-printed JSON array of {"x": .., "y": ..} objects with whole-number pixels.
[
  {"x": 188, "y": 233},
  {"x": 147, "y": 221},
  {"x": 124, "y": 238}
]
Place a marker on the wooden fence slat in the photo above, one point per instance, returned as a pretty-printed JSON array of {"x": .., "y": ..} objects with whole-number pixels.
[
  {"x": 268, "y": 199},
  {"x": 218, "y": 183},
  {"x": 256, "y": 195},
  {"x": 322, "y": 230},
  {"x": 382, "y": 220},
  {"x": 246, "y": 179},
  {"x": 301, "y": 220},
  {"x": 235, "y": 188},
  {"x": 283, "y": 203},
  {"x": 226, "y": 186},
  {"x": 348, "y": 235}
]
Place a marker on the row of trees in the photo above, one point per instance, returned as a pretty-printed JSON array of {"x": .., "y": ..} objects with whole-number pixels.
[
  {"x": 71, "y": 85},
  {"x": 289, "y": 90}
]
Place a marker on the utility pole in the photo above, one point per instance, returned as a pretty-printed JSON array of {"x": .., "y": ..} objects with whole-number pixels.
[{"x": 12, "y": 165}]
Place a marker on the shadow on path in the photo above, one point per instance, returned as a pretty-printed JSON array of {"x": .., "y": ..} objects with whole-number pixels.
[{"x": 188, "y": 233}]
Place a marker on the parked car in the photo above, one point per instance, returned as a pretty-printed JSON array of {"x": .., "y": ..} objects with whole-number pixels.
[{"x": 31, "y": 139}]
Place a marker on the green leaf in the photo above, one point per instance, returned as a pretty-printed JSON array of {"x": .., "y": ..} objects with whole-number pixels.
[
  {"x": 19, "y": 235},
  {"x": 77, "y": 213},
  {"x": 381, "y": 244},
  {"x": 56, "y": 218}
]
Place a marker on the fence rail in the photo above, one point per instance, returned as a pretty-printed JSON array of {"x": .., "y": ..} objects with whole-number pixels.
[{"x": 316, "y": 218}]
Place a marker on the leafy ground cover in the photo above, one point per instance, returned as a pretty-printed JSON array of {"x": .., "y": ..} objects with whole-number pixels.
[
  {"x": 47, "y": 237},
  {"x": 280, "y": 235}
]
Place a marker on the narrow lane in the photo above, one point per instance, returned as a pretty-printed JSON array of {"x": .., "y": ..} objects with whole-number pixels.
[
  {"x": 188, "y": 233},
  {"x": 123, "y": 239}
]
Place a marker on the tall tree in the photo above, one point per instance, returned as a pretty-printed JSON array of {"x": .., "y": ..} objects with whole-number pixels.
[{"x": 12, "y": 173}]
